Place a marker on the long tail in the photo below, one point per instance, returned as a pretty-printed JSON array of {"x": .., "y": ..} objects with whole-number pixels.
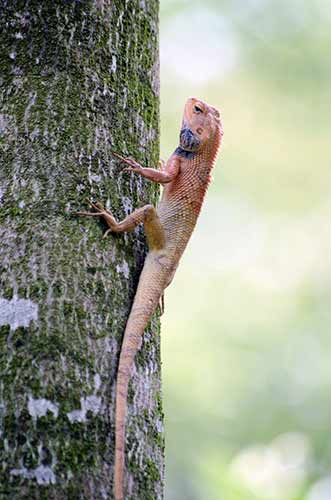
[{"x": 150, "y": 289}]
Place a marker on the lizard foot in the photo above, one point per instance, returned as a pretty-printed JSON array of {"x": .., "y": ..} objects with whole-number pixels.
[
  {"x": 96, "y": 206},
  {"x": 100, "y": 211},
  {"x": 134, "y": 166}
]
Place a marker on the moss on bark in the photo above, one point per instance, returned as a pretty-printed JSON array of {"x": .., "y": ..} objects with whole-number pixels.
[{"x": 78, "y": 79}]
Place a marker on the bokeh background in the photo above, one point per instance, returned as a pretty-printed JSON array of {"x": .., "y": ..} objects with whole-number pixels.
[{"x": 246, "y": 332}]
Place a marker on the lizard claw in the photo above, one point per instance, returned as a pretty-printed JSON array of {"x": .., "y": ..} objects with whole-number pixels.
[
  {"x": 98, "y": 207},
  {"x": 106, "y": 233},
  {"x": 128, "y": 169},
  {"x": 133, "y": 165},
  {"x": 162, "y": 165}
]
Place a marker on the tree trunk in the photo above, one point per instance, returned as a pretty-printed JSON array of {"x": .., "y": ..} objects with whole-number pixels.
[{"x": 78, "y": 79}]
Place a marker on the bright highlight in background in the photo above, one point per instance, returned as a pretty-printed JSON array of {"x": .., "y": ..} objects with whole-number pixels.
[
  {"x": 199, "y": 48},
  {"x": 246, "y": 334}
]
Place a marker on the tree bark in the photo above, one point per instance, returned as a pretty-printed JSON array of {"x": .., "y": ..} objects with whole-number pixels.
[{"x": 78, "y": 79}]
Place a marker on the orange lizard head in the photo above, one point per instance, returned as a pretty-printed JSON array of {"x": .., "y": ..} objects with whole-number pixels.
[{"x": 201, "y": 125}]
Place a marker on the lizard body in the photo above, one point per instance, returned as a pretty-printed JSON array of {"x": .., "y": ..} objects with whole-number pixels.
[{"x": 185, "y": 179}]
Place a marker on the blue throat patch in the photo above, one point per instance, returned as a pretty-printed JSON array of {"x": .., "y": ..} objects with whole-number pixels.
[
  {"x": 188, "y": 140},
  {"x": 184, "y": 154}
]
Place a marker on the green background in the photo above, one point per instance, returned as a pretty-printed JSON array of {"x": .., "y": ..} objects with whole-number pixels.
[{"x": 246, "y": 331}]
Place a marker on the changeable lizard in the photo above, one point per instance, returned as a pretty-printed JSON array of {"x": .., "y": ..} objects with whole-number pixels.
[{"x": 168, "y": 227}]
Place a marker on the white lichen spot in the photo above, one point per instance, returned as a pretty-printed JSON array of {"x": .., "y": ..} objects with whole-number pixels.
[
  {"x": 3, "y": 122},
  {"x": 35, "y": 186},
  {"x": 39, "y": 407},
  {"x": 113, "y": 64},
  {"x": 97, "y": 382},
  {"x": 43, "y": 474},
  {"x": 94, "y": 178},
  {"x": 127, "y": 205},
  {"x": 12, "y": 55},
  {"x": 110, "y": 345},
  {"x": 35, "y": 132},
  {"x": 93, "y": 404},
  {"x": 21, "y": 204},
  {"x": 90, "y": 403},
  {"x": 159, "y": 426},
  {"x": 32, "y": 100},
  {"x": 124, "y": 97},
  {"x": 145, "y": 132},
  {"x": 18, "y": 36},
  {"x": 123, "y": 268},
  {"x": 76, "y": 416},
  {"x": 17, "y": 312}
]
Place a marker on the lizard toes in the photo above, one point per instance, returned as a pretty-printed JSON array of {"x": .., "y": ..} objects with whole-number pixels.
[
  {"x": 132, "y": 163},
  {"x": 106, "y": 233},
  {"x": 98, "y": 206},
  {"x": 92, "y": 204}
]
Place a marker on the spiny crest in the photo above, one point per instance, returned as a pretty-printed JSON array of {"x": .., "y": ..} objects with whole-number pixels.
[{"x": 217, "y": 141}]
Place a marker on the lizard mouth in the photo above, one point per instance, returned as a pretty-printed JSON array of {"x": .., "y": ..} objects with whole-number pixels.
[{"x": 187, "y": 140}]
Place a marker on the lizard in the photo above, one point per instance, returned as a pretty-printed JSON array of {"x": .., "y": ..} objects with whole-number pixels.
[{"x": 185, "y": 178}]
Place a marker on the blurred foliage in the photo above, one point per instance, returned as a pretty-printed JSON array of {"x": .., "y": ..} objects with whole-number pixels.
[{"x": 246, "y": 333}]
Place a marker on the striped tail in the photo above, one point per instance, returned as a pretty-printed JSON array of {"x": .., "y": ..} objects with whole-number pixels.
[{"x": 150, "y": 289}]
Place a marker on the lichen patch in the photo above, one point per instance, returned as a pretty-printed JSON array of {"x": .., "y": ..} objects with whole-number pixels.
[
  {"x": 124, "y": 269},
  {"x": 43, "y": 474},
  {"x": 90, "y": 403},
  {"x": 39, "y": 407},
  {"x": 17, "y": 312}
]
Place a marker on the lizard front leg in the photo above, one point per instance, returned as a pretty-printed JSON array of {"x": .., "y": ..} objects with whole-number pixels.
[{"x": 167, "y": 173}]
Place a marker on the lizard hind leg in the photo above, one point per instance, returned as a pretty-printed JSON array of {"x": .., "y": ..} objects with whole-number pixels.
[
  {"x": 153, "y": 227},
  {"x": 146, "y": 215}
]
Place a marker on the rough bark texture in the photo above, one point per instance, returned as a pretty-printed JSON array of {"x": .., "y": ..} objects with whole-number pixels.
[{"x": 78, "y": 78}]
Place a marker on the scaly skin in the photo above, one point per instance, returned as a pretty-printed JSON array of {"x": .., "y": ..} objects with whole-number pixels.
[{"x": 185, "y": 178}]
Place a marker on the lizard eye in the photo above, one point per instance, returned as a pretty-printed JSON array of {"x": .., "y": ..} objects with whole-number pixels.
[{"x": 198, "y": 110}]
